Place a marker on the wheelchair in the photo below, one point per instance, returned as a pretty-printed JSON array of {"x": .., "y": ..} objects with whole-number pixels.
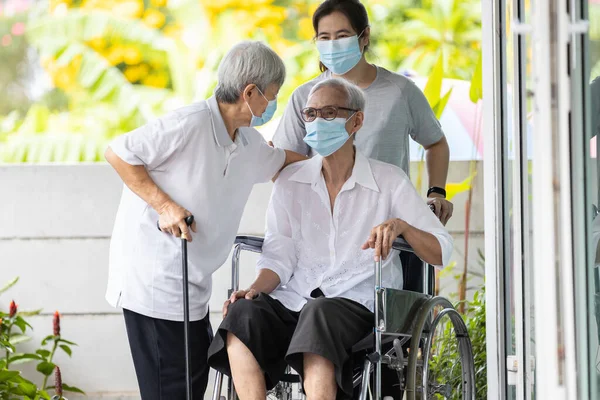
[{"x": 404, "y": 341}]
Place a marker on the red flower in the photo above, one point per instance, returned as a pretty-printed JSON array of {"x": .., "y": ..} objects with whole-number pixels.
[
  {"x": 58, "y": 390},
  {"x": 12, "y": 309},
  {"x": 56, "y": 323}
]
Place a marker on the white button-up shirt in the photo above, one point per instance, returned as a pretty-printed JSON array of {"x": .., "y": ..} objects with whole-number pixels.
[
  {"x": 310, "y": 247},
  {"x": 191, "y": 157}
]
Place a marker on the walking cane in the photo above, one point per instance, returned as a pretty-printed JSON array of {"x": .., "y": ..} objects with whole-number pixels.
[{"x": 186, "y": 309}]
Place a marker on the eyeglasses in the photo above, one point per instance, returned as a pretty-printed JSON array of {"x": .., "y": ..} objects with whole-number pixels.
[{"x": 328, "y": 113}]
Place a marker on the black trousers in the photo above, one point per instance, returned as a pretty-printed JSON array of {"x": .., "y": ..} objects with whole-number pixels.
[{"x": 158, "y": 351}]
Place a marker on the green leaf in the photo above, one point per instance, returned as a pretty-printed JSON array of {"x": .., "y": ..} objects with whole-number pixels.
[
  {"x": 24, "y": 357},
  {"x": 476, "y": 90},
  {"x": 433, "y": 88},
  {"x": 21, "y": 323},
  {"x": 7, "y": 345},
  {"x": 66, "y": 349},
  {"x": 18, "y": 339},
  {"x": 27, "y": 388},
  {"x": 441, "y": 105},
  {"x": 8, "y": 375},
  {"x": 30, "y": 313},
  {"x": 47, "y": 339},
  {"x": 46, "y": 368},
  {"x": 67, "y": 342},
  {"x": 72, "y": 389},
  {"x": 43, "y": 352},
  {"x": 9, "y": 285}
]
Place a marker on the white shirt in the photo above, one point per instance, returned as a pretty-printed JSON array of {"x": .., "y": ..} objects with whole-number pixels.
[
  {"x": 309, "y": 247},
  {"x": 191, "y": 157}
]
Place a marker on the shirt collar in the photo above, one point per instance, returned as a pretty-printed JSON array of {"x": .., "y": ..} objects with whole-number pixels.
[
  {"x": 219, "y": 131},
  {"x": 362, "y": 174}
]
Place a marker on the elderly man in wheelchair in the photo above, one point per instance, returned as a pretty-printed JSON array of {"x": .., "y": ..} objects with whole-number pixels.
[{"x": 313, "y": 299}]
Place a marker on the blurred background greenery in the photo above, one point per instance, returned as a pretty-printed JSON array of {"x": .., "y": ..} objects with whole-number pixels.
[{"x": 75, "y": 73}]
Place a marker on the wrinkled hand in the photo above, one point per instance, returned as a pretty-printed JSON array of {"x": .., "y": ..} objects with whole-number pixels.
[
  {"x": 443, "y": 208},
  {"x": 172, "y": 220},
  {"x": 382, "y": 237},
  {"x": 240, "y": 294}
]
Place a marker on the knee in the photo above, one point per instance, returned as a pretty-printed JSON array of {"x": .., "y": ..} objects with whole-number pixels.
[
  {"x": 318, "y": 308},
  {"x": 241, "y": 307}
]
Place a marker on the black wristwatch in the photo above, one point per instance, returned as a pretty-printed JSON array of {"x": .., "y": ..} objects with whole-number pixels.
[{"x": 438, "y": 190}]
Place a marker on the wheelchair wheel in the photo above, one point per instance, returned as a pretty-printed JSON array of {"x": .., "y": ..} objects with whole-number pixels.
[
  {"x": 440, "y": 362},
  {"x": 282, "y": 391},
  {"x": 286, "y": 391}
]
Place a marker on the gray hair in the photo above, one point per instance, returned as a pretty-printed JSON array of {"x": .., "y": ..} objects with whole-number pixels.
[
  {"x": 355, "y": 97},
  {"x": 246, "y": 63}
]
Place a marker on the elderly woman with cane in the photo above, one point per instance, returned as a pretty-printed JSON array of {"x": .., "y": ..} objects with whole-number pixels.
[{"x": 200, "y": 160}]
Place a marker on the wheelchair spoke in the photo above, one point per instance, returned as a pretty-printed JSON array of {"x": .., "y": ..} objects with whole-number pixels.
[{"x": 444, "y": 363}]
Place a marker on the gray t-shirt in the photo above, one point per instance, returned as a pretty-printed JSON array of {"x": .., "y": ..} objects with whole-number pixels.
[{"x": 396, "y": 109}]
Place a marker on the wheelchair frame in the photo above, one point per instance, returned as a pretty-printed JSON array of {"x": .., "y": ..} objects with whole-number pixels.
[{"x": 416, "y": 320}]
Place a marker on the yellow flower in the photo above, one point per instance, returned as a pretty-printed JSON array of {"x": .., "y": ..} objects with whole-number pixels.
[
  {"x": 154, "y": 18},
  {"x": 173, "y": 31},
  {"x": 157, "y": 80},
  {"x": 305, "y": 29},
  {"x": 136, "y": 73},
  {"x": 97, "y": 43},
  {"x": 159, "y": 3},
  {"x": 115, "y": 55},
  {"x": 132, "y": 55},
  {"x": 129, "y": 9}
]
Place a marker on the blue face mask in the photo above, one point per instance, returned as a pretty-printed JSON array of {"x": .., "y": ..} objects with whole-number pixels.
[
  {"x": 326, "y": 137},
  {"x": 340, "y": 55},
  {"x": 267, "y": 115}
]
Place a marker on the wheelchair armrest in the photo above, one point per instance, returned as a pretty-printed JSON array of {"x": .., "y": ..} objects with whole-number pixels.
[
  {"x": 402, "y": 245},
  {"x": 251, "y": 243}
]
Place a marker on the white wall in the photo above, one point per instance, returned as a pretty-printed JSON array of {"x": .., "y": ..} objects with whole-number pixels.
[{"x": 55, "y": 225}]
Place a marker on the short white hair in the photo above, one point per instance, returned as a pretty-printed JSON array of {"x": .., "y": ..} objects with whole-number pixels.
[
  {"x": 248, "y": 62},
  {"x": 355, "y": 97}
]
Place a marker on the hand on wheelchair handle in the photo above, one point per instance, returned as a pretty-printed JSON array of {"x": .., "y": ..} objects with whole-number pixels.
[
  {"x": 382, "y": 237},
  {"x": 239, "y": 294},
  {"x": 441, "y": 207}
]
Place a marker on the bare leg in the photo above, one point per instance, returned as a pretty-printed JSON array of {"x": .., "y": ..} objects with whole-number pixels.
[
  {"x": 248, "y": 378},
  {"x": 319, "y": 378}
]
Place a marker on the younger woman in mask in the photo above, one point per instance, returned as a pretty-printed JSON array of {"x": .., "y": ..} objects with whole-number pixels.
[{"x": 395, "y": 110}]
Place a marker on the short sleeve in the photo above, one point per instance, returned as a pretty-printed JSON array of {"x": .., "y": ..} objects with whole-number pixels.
[
  {"x": 426, "y": 129},
  {"x": 410, "y": 207},
  {"x": 278, "y": 251},
  {"x": 152, "y": 144},
  {"x": 268, "y": 161},
  {"x": 291, "y": 131}
]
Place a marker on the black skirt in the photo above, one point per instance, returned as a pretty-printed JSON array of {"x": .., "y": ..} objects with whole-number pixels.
[{"x": 278, "y": 337}]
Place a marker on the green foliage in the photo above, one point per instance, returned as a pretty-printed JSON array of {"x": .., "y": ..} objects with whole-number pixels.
[
  {"x": 433, "y": 89},
  {"x": 450, "y": 26},
  {"x": 445, "y": 363},
  {"x": 476, "y": 90},
  {"x": 12, "y": 384},
  {"x": 114, "y": 65}
]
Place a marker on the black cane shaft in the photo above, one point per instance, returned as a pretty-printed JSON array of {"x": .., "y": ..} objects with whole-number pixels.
[{"x": 186, "y": 320}]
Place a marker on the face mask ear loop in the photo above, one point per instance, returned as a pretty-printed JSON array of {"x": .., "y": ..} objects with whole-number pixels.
[{"x": 363, "y": 31}]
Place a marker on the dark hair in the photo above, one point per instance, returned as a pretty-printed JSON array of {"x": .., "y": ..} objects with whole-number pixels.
[{"x": 352, "y": 9}]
